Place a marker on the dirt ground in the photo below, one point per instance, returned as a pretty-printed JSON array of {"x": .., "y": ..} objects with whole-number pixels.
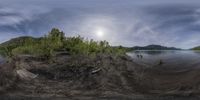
[{"x": 102, "y": 77}]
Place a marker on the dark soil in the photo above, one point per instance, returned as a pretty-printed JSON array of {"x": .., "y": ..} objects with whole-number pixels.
[{"x": 102, "y": 77}]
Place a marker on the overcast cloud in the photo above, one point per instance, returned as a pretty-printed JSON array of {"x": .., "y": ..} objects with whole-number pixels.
[{"x": 124, "y": 22}]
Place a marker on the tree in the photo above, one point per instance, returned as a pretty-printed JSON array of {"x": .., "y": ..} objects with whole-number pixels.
[{"x": 56, "y": 34}]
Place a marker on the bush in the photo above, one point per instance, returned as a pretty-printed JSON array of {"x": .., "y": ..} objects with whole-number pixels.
[
  {"x": 43, "y": 47},
  {"x": 55, "y": 40}
]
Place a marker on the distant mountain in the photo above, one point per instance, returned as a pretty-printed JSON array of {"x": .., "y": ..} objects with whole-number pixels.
[
  {"x": 17, "y": 41},
  {"x": 196, "y": 48},
  {"x": 13, "y": 43},
  {"x": 154, "y": 47},
  {"x": 21, "y": 40}
]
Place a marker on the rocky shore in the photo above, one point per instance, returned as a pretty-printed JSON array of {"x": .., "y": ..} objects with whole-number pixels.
[{"x": 93, "y": 77}]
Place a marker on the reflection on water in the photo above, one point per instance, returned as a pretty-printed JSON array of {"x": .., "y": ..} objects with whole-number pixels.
[
  {"x": 154, "y": 52},
  {"x": 167, "y": 58}
]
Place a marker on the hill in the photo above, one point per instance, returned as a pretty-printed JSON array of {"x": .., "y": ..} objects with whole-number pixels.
[
  {"x": 196, "y": 48},
  {"x": 154, "y": 47},
  {"x": 8, "y": 46},
  {"x": 18, "y": 41}
]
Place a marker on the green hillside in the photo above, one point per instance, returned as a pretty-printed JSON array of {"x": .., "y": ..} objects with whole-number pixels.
[
  {"x": 55, "y": 41},
  {"x": 154, "y": 47},
  {"x": 196, "y": 48}
]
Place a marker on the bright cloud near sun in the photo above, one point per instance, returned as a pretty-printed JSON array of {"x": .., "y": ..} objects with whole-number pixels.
[
  {"x": 124, "y": 22},
  {"x": 100, "y": 33},
  {"x": 97, "y": 27}
]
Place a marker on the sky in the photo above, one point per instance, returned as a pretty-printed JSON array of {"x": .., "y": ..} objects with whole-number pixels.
[{"x": 121, "y": 22}]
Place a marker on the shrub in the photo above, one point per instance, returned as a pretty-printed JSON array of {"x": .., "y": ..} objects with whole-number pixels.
[{"x": 55, "y": 40}]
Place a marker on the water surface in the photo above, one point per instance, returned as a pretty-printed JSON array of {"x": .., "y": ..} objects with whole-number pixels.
[{"x": 171, "y": 59}]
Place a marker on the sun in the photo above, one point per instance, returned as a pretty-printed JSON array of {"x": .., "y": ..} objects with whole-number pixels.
[{"x": 100, "y": 33}]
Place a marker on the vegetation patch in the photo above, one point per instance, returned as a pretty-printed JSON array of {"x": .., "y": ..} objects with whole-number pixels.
[{"x": 56, "y": 41}]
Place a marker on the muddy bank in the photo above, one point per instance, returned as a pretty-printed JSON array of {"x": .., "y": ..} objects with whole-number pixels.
[
  {"x": 73, "y": 75},
  {"x": 89, "y": 77},
  {"x": 179, "y": 83}
]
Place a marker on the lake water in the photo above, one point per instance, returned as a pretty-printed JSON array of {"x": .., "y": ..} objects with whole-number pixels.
[{"x": 170, "y": 59}]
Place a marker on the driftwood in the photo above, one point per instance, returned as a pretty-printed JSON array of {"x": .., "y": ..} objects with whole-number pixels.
[
  {"x": 26, "y": 75},
  {"x": 96, "y": 71}
]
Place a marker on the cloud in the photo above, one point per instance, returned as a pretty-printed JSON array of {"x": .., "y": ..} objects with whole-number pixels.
[
  {"x": 174, "y": 23},
  {"x": 14, "y": 19},
  {"x": 124, "y": 22},
  {"x": 7, "y": 36}
]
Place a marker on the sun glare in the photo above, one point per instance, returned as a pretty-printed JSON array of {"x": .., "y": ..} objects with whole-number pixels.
[{"x": 100, "y": 33}]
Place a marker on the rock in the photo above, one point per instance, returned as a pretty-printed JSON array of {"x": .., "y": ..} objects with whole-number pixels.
[{"x": 26, "y": 75}]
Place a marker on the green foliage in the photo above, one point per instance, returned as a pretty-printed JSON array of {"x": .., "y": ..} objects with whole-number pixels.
[
  {"x": 56, "y": 40},
  {"x": 196, "y": 48},
  {"x": 77, "y": 45},
  {"x": 44, "y": 47},
  {"x": 7, "y": 51},
  {"x": 6, "y": 48},
  {"x": 56, "y": 35}
]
